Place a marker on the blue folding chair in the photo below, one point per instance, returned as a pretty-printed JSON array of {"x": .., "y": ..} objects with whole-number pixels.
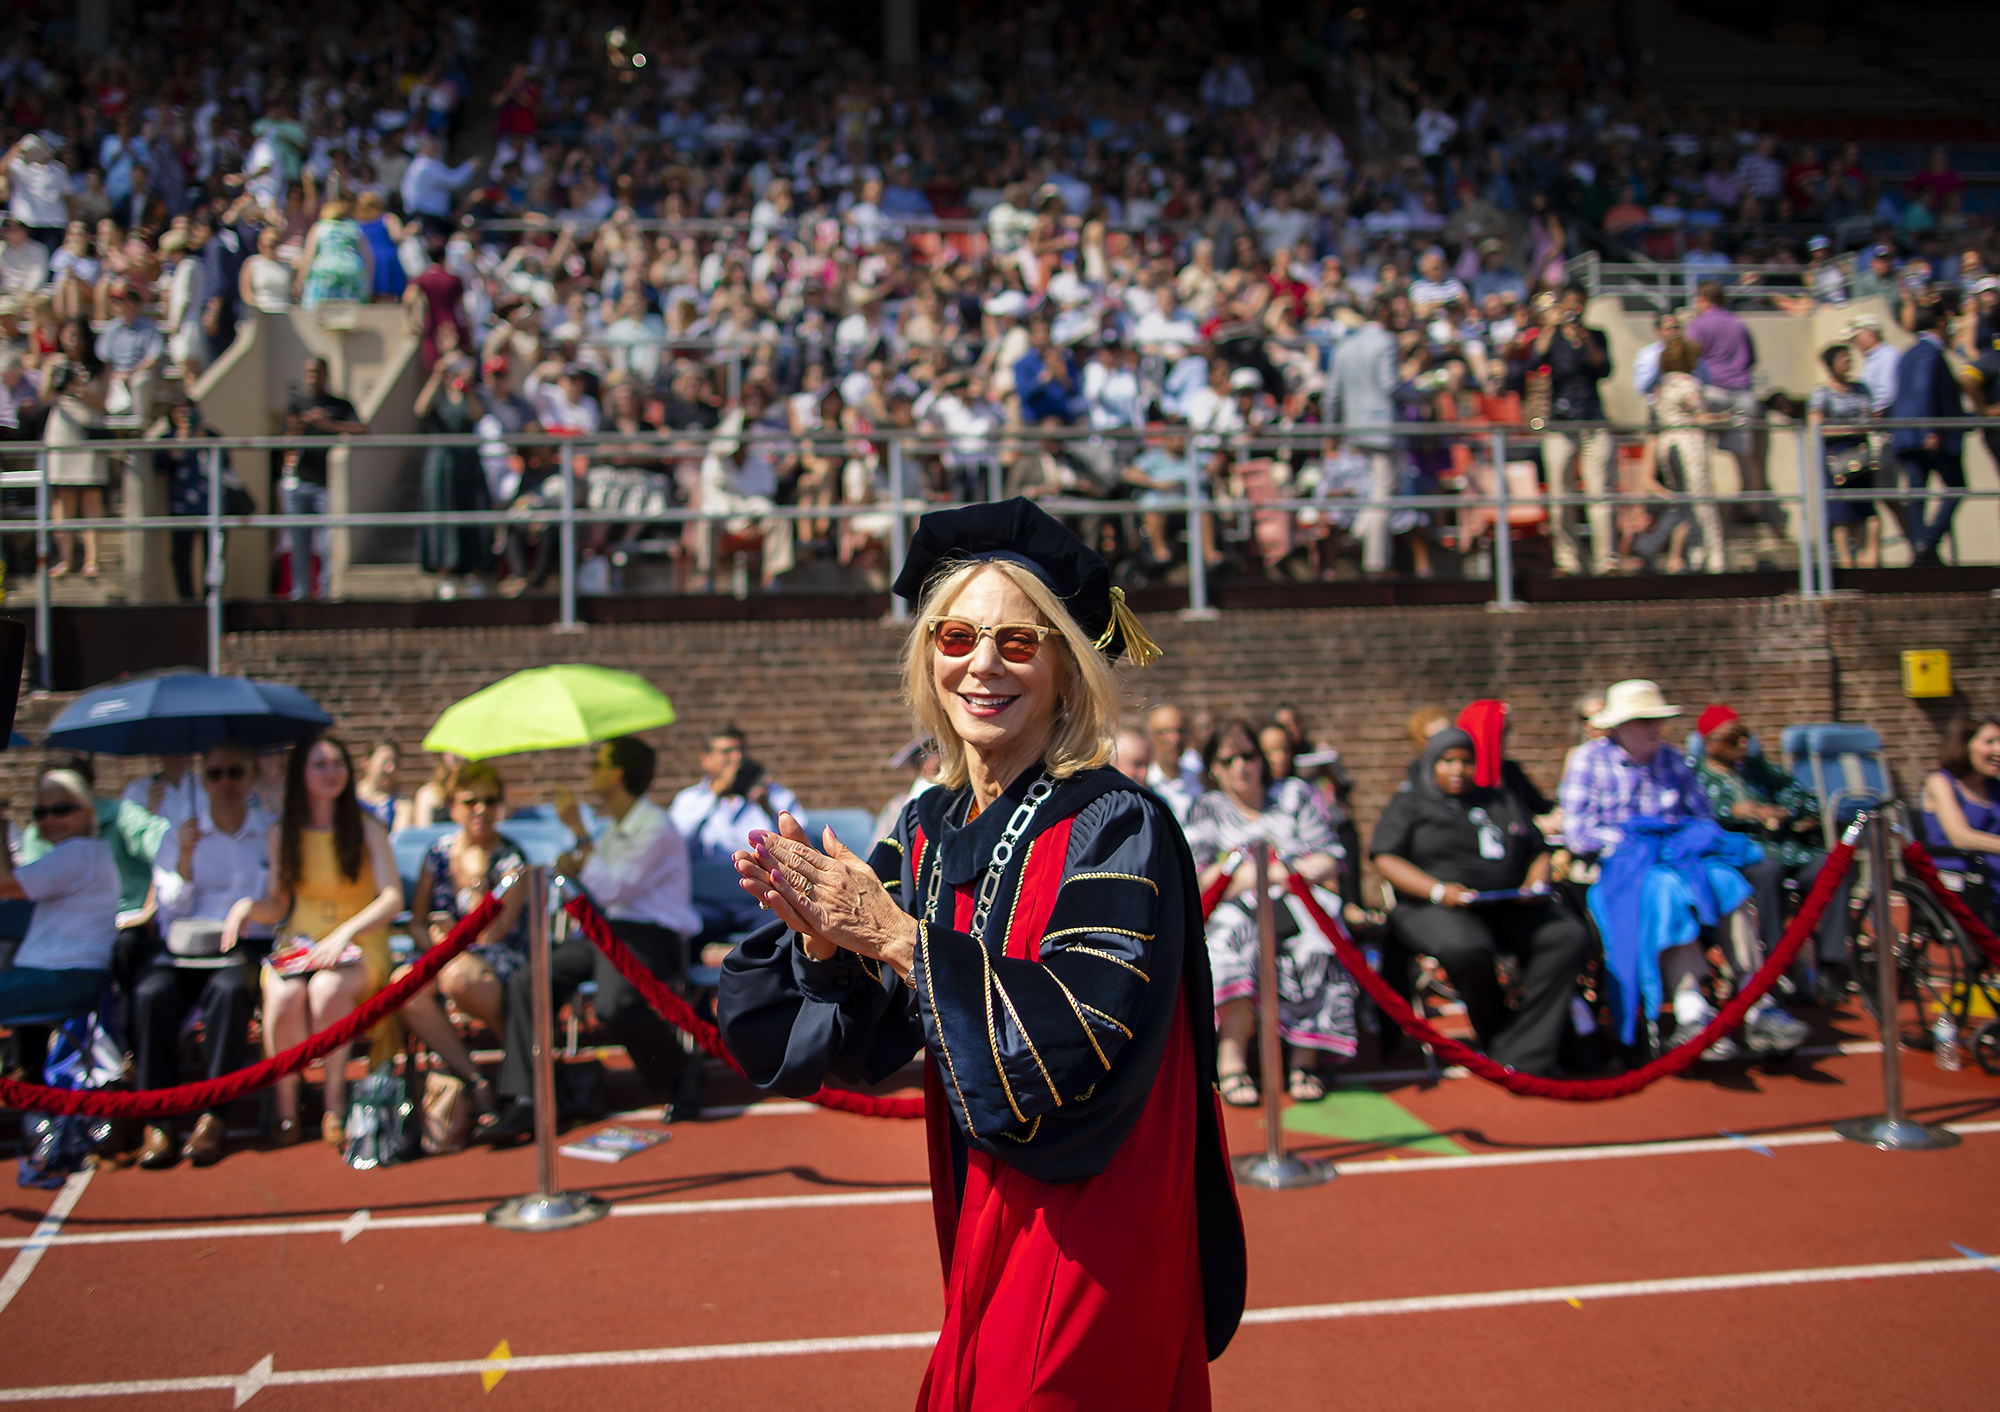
[{"x": 1842, "y": 765}]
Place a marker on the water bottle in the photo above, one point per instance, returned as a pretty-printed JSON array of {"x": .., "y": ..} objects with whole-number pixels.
[{"x": 1944, "y": 1043}]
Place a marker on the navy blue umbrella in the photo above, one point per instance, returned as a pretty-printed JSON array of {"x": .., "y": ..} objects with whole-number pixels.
[{"x": 183, "y": 713}]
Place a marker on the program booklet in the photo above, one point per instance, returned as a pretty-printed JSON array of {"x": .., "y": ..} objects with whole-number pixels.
[{"x": 614, "y": 1144}]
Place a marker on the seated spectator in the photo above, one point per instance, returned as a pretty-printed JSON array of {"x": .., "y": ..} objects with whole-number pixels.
[
  {"x": 1486, "y": 722},
  {"x": 1175, "y": 773},
  {"x": 637, "y": 874},
  {"x": 134, "y": 835},
  {"x": 1961, "y": 804},
  {"x": 64, "y": 962},
  {"x": 1441, "y": 845},
  {"x": 376, "y": 788},
  {"x": 216, "y": 855},
  {"x": 24, "y": 262},
  {"x": 715, "y": 816},
  {"x": 1750, "y": 795},
  {"x": 332, "y": 882},
  {"x": 1315, "y": 996},
  {"x": 73, "y": 272},
  {"x": 1047, "y": 380},
  {"x": 457, "y": 873},
  {"x": 173, "y": 790},
  {"x": 1631, "y": 774},
  {"x": 1132, "y": 754}
]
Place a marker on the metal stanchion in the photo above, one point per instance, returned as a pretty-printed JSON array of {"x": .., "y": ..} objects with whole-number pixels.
[
  {"x": 44, "y": 668},
  {"x": 1891, "y": 1129},
  {"x": 1821, "y": 531},
  {"x": 1197, "y": 555},
  {"x": 1808, "y": 540},
  {"x": 545, "y": 1208},
  {"x": 212, "y": 568},
  {"x": 899, "y": 611},
  {"x": 1273, "y": 1167},
  {"x": 1503, "y": 531},
  {"x": 566, "y": 540}
]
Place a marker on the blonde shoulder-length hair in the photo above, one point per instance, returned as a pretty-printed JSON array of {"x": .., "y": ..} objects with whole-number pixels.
[{"x": 1083, "y": 736}]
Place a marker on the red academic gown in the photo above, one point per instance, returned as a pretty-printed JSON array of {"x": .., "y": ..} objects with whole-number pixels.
[{"x": 1052, "y": 1288}]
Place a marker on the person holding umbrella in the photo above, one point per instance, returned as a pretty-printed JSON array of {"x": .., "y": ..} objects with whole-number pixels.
[
  {"x": 333, "y": 882},
  {"x": 215, "y": 857}
]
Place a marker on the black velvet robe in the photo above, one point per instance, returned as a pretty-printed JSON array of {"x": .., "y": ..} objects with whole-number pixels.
[{"x": 1044, "y": 1064}]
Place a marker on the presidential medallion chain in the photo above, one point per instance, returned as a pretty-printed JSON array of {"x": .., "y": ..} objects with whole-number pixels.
[{"x": 1003, "y": 854}]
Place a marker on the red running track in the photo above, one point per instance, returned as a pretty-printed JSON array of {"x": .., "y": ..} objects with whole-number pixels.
[{"x": 215, "y": 1304}]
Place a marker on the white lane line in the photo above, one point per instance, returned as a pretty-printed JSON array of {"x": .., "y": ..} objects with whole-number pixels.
[
  {"x": 45, "y": 1235},
  {"x": 263, "y": 1375},
  {"x": 351, "y": 1226},
  {"x": 1622, "y": 1289},
  {"x": 1384, "y": 1166}
]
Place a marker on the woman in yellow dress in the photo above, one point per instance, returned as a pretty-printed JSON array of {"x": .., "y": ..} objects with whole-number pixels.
[{"x": 333, "y": 884}]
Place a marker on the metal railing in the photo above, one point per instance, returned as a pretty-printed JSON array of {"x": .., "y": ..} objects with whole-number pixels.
[{"x": 988, "y": 455}]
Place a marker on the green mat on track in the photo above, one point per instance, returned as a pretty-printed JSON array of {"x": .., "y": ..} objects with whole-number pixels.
[{"x": 1363, "y": 1115}]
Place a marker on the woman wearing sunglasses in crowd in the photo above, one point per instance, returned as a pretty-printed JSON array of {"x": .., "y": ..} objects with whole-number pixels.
[
  {"x": 64, "y": 962},
  {"x": 455, "y": 876},
  {"x": 1032, "y": 924},
  {"x": 1315, "y": 995}
]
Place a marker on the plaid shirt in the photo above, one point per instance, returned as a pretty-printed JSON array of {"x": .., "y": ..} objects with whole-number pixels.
[{"x": 1604, "y": 787}]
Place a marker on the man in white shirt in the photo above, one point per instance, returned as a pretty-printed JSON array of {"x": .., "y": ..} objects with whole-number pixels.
[
  {"x": 1435, "y": 285},
  {"x": 428, "y": 185},
  {"x": 173, "y": 791},
  {"x": 1646, "y": 362},
  {"x": 215, "y": 855},
  {"x": 38, "y": 189},
  {"x": 1171, "y": 775},
  {"x": 717, "y": 815},
  {"x": 24, "y": 264},
  {"x": 1878, "y": 360},
  {"x": 636, "y": 872}
]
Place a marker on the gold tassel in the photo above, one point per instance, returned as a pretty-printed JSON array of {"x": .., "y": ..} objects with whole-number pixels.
[{"x": 1140, "y": 648}]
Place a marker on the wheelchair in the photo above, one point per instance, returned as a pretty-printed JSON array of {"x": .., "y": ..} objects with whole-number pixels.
[{"x": 1939, "y": 967}]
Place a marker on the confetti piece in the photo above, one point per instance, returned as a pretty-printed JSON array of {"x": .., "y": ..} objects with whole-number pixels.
[
  {"x": 500, "y": 1354},
  {"x": 1742, "y": 1141},
  {"x": 1574, "y": 1303}
]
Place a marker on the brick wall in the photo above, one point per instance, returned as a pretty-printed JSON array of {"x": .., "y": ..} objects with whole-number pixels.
[{"x": 820, "y": 698}]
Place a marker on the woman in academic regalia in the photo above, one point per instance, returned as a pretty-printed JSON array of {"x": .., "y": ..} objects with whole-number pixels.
[{"x": 1034, "y": 925}]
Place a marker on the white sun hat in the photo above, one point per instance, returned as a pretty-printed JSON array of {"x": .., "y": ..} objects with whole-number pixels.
[{"x": 1635, "y": 700}]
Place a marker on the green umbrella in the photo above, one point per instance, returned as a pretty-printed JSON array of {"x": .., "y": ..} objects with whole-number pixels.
[{"x": 547, "y": 708}]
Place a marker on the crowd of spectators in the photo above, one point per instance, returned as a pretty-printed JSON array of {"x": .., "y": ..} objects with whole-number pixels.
[
  {"x": 1178, "y": 222},
  {"x": 259, "y": 891}
]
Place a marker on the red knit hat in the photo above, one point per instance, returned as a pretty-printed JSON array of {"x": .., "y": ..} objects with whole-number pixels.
[
  {"x": 1714, "y": 719},
  {"x": 1486, "y": 723}
]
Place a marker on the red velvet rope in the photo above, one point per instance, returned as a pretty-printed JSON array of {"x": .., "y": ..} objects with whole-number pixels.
[
  {"x": 212, "y": 1093},
  {"x": 1918, "y": 860},
  {"x": 1673, "y": 1061},
  {"x": 678, "y": 1013}
]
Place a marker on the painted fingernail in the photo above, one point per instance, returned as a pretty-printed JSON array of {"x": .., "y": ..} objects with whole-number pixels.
[{"x": 758, "y": 837}]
